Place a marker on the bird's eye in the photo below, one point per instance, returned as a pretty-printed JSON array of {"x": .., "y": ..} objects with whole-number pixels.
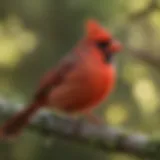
[{"x": 103, "y": 44}]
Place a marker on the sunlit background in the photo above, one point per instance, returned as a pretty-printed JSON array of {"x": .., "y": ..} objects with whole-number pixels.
[{"x": 35, "y": 34}]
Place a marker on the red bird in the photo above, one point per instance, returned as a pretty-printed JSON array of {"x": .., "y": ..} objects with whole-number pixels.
[{"x": 79, "y": 82}]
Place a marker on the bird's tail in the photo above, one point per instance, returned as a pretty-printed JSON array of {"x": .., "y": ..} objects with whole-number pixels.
[{"x": 15, "y": 124}]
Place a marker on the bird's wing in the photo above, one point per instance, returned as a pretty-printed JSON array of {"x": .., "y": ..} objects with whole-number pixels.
[{"x": 55, "y": 77}]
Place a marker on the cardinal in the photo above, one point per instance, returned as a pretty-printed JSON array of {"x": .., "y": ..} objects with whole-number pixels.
[{"x": 79, "y": 82}]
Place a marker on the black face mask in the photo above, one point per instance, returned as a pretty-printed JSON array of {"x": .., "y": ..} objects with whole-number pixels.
[
  {"x": 109, "y": 57},
  {"x": 103, "y": 47}
]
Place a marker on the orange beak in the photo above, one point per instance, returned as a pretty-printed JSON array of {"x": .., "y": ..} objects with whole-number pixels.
[{"x": 116, "y": 46}]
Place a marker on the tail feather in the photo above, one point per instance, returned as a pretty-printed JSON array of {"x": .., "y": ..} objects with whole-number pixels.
[{"x": 16, "y": 123}]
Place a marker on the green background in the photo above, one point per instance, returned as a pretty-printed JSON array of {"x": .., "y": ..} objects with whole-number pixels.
[{"x": 35, "y": 34}]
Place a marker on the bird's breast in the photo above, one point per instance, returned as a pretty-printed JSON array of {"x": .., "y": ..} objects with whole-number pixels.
[
  {"x": 92, "y": 83},
  {"x": 100, "y": 82},
  {"x": 84, "y": 88}
]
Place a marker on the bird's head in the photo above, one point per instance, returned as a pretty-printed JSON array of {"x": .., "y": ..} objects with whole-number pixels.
[{"x": 102, "y": 39}]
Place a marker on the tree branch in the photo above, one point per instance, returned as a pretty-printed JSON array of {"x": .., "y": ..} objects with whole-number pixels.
[
  {"x": 141, "y": 54},
  {"x": 153, "y": 5},
  {"x": 146, "y": 56},
  {"x": 102, "y": 137}
]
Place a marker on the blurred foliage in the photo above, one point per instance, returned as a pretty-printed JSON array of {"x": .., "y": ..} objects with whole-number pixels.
[{"x": 35, "y": 34}]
